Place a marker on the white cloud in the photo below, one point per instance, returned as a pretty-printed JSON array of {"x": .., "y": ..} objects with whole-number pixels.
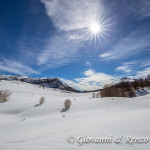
[
  {"x": 59, "y": 51},
  {"x": 132, "y": 62},
  {"x": 124, "y": 68},
  {"x": 133, "y": 67},
  {"x": 87, "y": 63},
  {"x": 70, "y": 18},
  {"x": 79, "y": 86},
  {"x": 135, "y": 43},
  {"x": 97, "y": 77},
  {"x": 71, "y": 14},
  {"x": 143, "y": 73},
  {"x": 140, "y": 8},
  {"x": 16, "y": 68},
  {"x": 92, "y": 80},
  {"x": 137, "y": 8},
  {"x": 105, "y": 55},
  {"x": 145, "y": 63}
]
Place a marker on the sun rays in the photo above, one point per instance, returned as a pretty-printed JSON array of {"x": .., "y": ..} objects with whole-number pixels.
[{"x": 97, "y": 28}]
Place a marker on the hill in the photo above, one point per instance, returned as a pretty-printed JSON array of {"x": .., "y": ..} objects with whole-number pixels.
[
  {"x": 44, "y": 82},
  {"x": 25, "y": 126}
]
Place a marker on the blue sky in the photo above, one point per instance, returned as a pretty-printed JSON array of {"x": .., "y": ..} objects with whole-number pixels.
[{"x": 50, "y": 38}]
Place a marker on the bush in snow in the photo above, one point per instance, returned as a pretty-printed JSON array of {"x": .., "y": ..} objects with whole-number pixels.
[
  {"x": 42, "y": 99},
  {"x": 67, "y": 103},
  {"x": 97, "y": 95},
  {"x": 93, "y": 95},
  {"x": 4, "y": 95}
]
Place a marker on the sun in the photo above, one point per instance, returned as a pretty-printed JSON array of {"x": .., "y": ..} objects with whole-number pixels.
[
  {"x": 94, "y": 28},
  {"x": 97, "y": 28}
]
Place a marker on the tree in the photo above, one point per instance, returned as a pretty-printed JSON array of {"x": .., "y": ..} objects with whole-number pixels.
[
  {"x": 4, "y": 95},
  {"x": 42, "y": 99},
  {"x": 67, "y": 103},
  {"x": 93, "y": 95}
]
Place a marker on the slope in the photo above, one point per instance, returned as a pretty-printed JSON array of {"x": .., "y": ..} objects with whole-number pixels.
[{"x": 24, "y": 126}]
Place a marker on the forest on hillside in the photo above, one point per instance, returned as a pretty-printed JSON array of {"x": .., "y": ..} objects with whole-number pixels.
[{"x": 125, "y": 89}]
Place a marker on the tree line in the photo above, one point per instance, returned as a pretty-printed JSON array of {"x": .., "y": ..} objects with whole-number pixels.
[{"x": 125, "y": 89}]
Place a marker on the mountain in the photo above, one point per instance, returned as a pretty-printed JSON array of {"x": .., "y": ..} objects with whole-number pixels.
[
  {"x": 126, "y": 79},
  {"x": 57, "y": 84},
  {"x": 44, "y": 82},
  {"x": 127, "y": 87}
]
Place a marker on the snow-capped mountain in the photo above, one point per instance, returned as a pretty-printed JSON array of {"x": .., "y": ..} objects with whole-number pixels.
[
  {"x": 127, "y": 87},
  {"x": 126, "y": 79},
  {"x": 44, "y": 82}
]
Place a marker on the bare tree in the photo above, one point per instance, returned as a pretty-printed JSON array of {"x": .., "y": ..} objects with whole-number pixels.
[
  {"x": 93, "y": 95},
  {"x": 4, "y": 95},
  {"x": 97, "y": 95},
  {"x": 67, "y": 103},
  {"x": 42, "y": 99}
]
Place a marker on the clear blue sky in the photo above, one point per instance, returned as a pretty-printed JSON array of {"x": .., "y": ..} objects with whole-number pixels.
[{"x": 51, "y": 38}]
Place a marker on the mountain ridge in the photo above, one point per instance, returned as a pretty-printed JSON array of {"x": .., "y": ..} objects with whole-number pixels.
[
  {"x": 58, "y": 84},
  {"x": 44, "y": 82}
]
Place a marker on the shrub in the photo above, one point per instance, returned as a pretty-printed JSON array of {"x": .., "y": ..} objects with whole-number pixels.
[
  {"x": 67, "y": 103},
  {"x": 93, "y": 95},
  {"x": 42, "y": 99},
  {"x": 4, "y": 95},
  {"x": 97, "y": 95}
]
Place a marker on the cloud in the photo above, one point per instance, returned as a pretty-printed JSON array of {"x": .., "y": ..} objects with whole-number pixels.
[
  {"x": 70, "y": 19},
  {"x": 97, "y": 77},
  {"x": 59, "y": 51},
  {"x": 71, "y": 14},
  {"x": 140, "y": 8},
  {"x": 91, "y": 81},
  {"x": 145, "y": 63},
  {"x": 136, "y": 69},
  {"x": 143, "y": 73},
  {"x": 137, "y": 8},
  {"x": 144, "y": 6},
  {"x": 134, "y": 66},
  {"x": 105, "y": 55},
  {"x": 124, "y": 68},
  {"x": 128, "y": 67},
  {"x": 16, "y": 68},
  {"x": 133, "y": 44},
  {"x": 79, "y": 86},
  {"x": 87, "y": 63}
]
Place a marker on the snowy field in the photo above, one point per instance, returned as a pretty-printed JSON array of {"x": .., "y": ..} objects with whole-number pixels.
[{"x": 26, "y": 127}]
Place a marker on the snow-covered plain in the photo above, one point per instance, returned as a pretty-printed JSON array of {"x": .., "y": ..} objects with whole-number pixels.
[{"x": 26, "y": 127}]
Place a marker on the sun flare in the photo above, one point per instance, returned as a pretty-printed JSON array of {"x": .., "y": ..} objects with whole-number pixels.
[{"x": 97, "y": 28}]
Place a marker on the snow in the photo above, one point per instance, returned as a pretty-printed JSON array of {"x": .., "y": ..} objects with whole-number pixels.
[
  {"x": 141, "y": 92},
  {"x": 44, "y": 82},
  {"x": 26, "y": 127}
]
